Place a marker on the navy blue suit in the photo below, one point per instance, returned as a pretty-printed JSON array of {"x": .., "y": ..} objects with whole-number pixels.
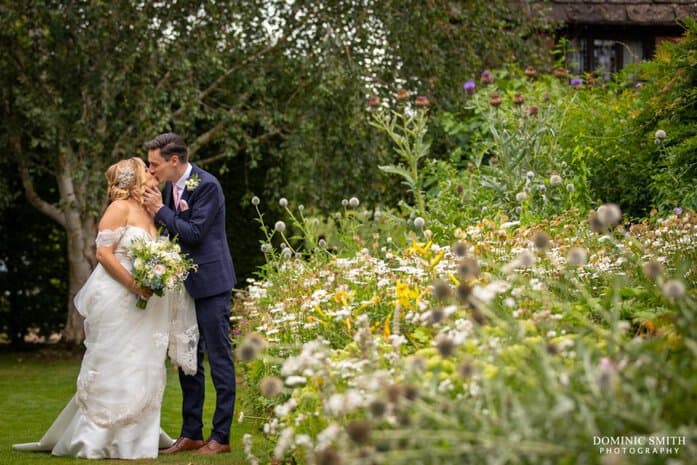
[{"x": 200, "y": 231}]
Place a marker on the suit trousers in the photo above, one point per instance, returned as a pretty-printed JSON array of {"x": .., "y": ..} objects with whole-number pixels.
[{"x": 213, "y": 315}]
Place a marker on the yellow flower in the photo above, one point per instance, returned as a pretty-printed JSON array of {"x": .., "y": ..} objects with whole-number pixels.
[
  {"x": 319, "y": 310},
  {"x": 342, "y": 297},
  {"x": 422, "y": 249},
  {"x": 435, "y": 260},
  {"x": 454, "y": 279},
  {"x": 405, "y": 294}
]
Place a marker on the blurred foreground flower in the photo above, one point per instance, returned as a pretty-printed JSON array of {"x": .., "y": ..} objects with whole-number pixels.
[
  {"x": 469, "y": 87},
  {"x": 422, "y": 101}
]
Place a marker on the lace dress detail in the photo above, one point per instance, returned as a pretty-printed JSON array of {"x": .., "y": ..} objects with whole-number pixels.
[
  {"x": 107, "y": 237},
  {"x": 183, "y": 333}
]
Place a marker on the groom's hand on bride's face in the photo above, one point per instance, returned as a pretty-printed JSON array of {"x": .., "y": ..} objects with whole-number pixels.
[{"x": 152, "y": 200}]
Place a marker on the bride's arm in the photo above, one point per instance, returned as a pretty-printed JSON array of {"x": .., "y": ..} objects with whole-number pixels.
[{"x": 116, "y": 216}]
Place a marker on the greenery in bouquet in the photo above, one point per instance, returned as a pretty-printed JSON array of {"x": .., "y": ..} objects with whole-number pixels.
[{"x": 159, "y": 265}]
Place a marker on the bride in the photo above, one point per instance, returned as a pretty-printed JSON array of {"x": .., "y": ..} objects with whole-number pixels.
[{"x": 115, "y": 412}]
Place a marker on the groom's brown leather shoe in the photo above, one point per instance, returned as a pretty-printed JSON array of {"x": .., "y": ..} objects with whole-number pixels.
[
  {"x": 182, "y": 445},
  {"x": 213, "y": 447}
]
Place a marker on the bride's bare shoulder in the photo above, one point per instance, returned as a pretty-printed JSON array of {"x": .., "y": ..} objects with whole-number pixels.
[{"x": 116, "y": 215}]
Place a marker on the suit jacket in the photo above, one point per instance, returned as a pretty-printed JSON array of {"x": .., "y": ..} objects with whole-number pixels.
[{"x": 200, "y": 231}]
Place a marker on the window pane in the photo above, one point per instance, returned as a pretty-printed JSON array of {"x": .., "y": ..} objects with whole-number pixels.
[{"x": 632, "y": 52}]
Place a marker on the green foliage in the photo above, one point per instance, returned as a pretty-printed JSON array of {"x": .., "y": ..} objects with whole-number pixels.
[
  {"x": 32, "y": 272},
  {"x": 407, "y": 132},
  {"x": 616, "y": 124},
  {"x": 344, "y": 51},
  {"x": 511, "y": 149},
  {"x": 670, "y": 104}
]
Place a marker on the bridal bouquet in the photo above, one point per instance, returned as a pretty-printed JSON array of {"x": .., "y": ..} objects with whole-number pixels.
[{"x": 159, "y": 265}]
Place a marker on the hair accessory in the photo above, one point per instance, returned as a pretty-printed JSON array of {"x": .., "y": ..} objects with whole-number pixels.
[{"x": 126, "y": 177}]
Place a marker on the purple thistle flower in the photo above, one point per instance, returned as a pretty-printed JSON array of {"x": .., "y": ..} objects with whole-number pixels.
[
  {"x": 576, "y": 82},
  {"x": 486, "y": 77},
  {"x": 469, "y": 87}
]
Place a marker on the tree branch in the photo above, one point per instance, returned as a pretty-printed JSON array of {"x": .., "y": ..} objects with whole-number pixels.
[
  {"x": 261, "y": 139},
  {"x": 43, "y": 206},
  {"x": 207, "y": 136},
  {"x": 117, "y": 151},
  {"x": 206, "y": 92}
]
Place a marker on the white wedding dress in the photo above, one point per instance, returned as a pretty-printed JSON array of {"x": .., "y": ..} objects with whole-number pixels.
[{"x": 116, "y": 410}]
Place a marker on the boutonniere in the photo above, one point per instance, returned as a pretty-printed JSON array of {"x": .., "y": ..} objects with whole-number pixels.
[{"x": 193, "y": 182}]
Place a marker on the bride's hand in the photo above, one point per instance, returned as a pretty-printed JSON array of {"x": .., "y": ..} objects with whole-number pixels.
[{"x": 144, "y": 292}]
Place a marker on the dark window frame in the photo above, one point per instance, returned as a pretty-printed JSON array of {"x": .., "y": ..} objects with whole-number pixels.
[{"x": 646, "y": 35}]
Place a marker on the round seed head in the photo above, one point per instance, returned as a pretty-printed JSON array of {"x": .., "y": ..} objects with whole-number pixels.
[
  {"x": 359, "y": 431},
  {"x": 437, "y": 315},
  {"x": 441, "y": 290},
  {"x": 541, "y": 240},
  {"x": 377, "y": 408},
  {"x": 411, "y": 392},
  {"x": 468, "y": 268},
  {"x": 328, "y": 456},
  {"x": 551, "y": 348},
  {"x": 463, "y": 292},
  {"x": 270, "y": 386},
  {"x": 465, "y": 369},
  {"x": 577, "y": 256},
  {"x": 673, "y": 289},
  {"x": 445, "y": 345},
  {"x": 609, "y": 214},
  {"x": 394, "y": 392},
  {"x": 653, "y": 269},
  {"x": 460, "y": 249}
]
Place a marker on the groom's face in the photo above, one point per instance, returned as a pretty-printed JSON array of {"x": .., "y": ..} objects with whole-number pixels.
[{"x": 163, "y": 170}]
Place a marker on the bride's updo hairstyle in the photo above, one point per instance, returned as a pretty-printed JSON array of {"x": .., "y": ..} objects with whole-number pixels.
[{"x": 126, "y": 179}]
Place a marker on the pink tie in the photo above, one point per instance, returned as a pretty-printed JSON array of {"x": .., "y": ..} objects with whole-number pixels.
[{"x": 176, "y": 193}]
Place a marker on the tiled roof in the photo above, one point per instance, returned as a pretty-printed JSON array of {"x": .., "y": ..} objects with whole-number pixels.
[{"x": 638, "y": 12}]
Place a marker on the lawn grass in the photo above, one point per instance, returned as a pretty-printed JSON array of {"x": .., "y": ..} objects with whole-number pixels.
[{"x": 36, "y": 385}]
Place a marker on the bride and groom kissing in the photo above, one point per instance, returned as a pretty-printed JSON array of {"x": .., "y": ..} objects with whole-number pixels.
[{"x": 115, "y": 412}]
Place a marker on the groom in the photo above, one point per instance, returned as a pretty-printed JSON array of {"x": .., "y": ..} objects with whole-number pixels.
[{"x": 193, "y": 210}]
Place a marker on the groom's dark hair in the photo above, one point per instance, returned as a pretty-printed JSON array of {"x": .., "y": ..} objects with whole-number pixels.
[{"x": 169, "y": 144}]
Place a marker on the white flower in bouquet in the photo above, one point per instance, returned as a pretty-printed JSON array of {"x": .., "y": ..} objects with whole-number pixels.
[{"x": 159, "y": 269}]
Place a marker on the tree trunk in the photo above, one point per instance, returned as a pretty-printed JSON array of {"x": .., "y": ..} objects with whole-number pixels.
[
  {"x": 81, "y": 250},
  {"x": 80, "y": 267},
  {"x": 80, "y": 228}
]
